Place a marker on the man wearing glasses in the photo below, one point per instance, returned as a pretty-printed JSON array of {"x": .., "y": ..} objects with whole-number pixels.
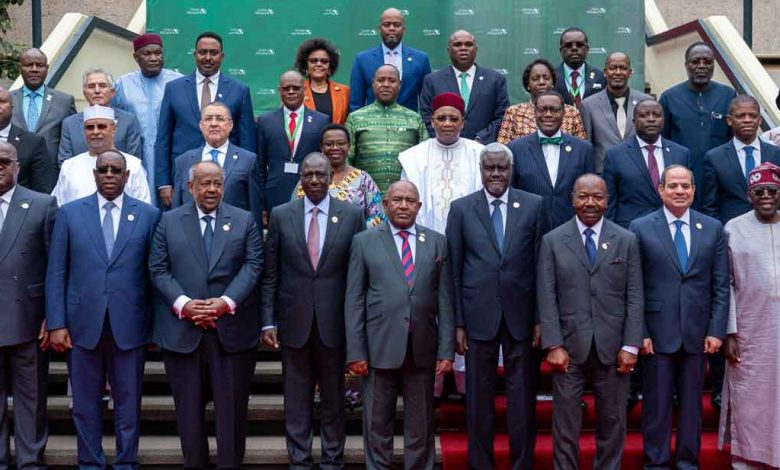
[
  {"x": 76, "y": 179},
  {"x": 574, "y": 78}
]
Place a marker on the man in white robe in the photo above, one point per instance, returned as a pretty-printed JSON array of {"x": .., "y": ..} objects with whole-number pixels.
[
  {"x": 76, "y": 179},
  {"x": 750, "y": 414}
]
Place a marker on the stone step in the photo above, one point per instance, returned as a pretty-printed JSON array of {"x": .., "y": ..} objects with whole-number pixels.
[
  {"x": 261, "y": 451},
  {"x": 154, "y": 372}
]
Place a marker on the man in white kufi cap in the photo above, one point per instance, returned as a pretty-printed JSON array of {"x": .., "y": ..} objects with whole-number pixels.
[{"x": 76, "y": 179}]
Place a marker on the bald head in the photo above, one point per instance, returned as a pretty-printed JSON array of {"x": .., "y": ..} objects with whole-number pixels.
[{"x": 392, "y": 27}]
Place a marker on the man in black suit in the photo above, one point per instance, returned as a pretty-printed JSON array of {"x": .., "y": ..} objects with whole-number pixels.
[
  {"x": 303, "y": 299},
  {"x": 36, "y": 170},
  {"x": 482, "y": 89},
  {"x": 205, "y": 262},
  {"x": 26, "y": 220},
  {"x": 493, "y": 236},
  {"x": 574, "y": 78}
]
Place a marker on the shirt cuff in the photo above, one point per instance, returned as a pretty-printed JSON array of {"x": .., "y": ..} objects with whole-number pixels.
[
  {"x": 179, "y": 303},
  {"x": 631, "y": 349},
  {"x": 231, "y": 304},
  {"x": 268, "y": 327},
  {"x": 164, "y": 186}
]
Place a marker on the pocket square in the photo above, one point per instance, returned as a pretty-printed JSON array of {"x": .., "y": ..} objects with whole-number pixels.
[{"x": 617, "y": 260}]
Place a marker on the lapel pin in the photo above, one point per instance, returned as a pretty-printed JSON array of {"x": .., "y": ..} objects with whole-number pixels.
[
  {"x": 698, "y": 225},
  {"x": 130, "y": 217},
  {"x": 568, "y": 148},
  {"x": 219, "y": 94},
  {"x": 408, "y": 59},
  {"x": 668, "y": 149},
  {"x": 481, "y": 77},
  {"x": 308, "y": 118},
  {"x": 48, "y": 97},
  {"x": 334, "y": 219},
  {"x": 515, "y": 204},
  {"x": 235, "y": 156},
  {"x": 633, "y": 102},
  {"x": 16, "y": 138},
  {"x": 604, "y": 246},
  {"x": 226, "y": 227},
  {"x": 422, "y": 237},
  {"x": 25, "y": 205},
  {"x": 592, "y": 75}
]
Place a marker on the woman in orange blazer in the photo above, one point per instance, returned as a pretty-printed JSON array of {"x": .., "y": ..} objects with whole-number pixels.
[{"x": 317, "y": 60}]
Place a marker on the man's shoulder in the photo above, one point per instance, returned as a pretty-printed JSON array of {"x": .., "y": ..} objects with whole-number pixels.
[
  {"x": 122, "y": 116},
  {"x": 58, "y": 95},
  {"x": 428, "y": 233},
  {"x": 366, "y": 53},
  {"x": 619, "y": 231},
  {"x": 235, "y": 212},
  {"x": 593, "y": 100},
  {"x": 345, "y": 207},
  {"x": 413, "y": 51},
  {"x": 316, "y": 116},
  {"x": 232, "y": 80},
  {"x": 713, "y": 154},
  {"x": 28, "y": 194},
  {"x": 133, "y": 162},
  {"x": 705, "y": 222},
  {"x": 523, "y": 196},
  {"x": 74, "y": 120},
  {"x": 575, "y": 142},
  {"x": 270, "y": 116},
  {"x": 141, "y": 206},
  {"x": 236, "y": 150}
]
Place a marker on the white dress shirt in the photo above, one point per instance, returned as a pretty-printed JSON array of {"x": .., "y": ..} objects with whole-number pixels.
[
  {"x": 503, "y": 207},
  {"x": 552, "y": 156},
  {"x": 741, "y": 152},
  {"x": 686, "y": 226},
  {"x": 5, "y": 204},
  {"x": 116, "y": 212},
  {"x": 580, "y": 78},
  {"x": 5, "y": 132},
  {"x": 299, "y": 123},
  {"x": 322, "y": 219},
  {"x": 200, "y": 79},
  {"x": 399, "y": 241},
  {"x": 470, "y": 73},
  {"x": 76, "y": 179},
  {"x": 206, "y": 155},
  {"x": 658, "y": 153},
  {"x": 394, "y": 57}
]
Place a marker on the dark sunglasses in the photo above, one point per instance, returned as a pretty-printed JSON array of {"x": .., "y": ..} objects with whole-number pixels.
[
  {"x": 761, "y": 192},
  {"x": 110, "y": 169},
  {"x": 92, "y": 127}
]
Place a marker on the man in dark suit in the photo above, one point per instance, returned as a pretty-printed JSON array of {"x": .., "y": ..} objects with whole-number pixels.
[
  {"x": 686, "y": 277},
  {"x": 412, "y": 64},
  {"x": 36, "y": 169},
  {"x": 726, "y": 167},
  {"x": 575, "y": 79},
  {"x": 304, "y": 284},
  {"x": 242, "y": 183},
  {"x": 607, "y": 114},
  {"x": 39, "y": 108},
  {"x": 482, "y": 89},
  {"x": 98, "y": 307},
  {"x": 184, "y": 98},
  {"x": 548, "y": 162},
  {"x": 284, "y": 137},
  {"x": 98, "y": 90},
  {"x": 26, "y": 219},
  {"x": 589, "y": 296},
  {"x": 205, "y": 262},
  {"x": 400, "y": 331},
  {"x": 493, "y": 271},
  {"x": 633, "y": 168}
]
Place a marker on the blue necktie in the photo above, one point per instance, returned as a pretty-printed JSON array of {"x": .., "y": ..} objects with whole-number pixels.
[
  {"x": 32, "y": 112},
  {"x": 214, "y": 155},
  {"x": 108, "y": 227},
  {"x": 498, "y": 224},
  {"x": 590, "y": 246},
  {"x": 680, "y": 246},
  {"x": 750, "y": 161},
  {"x": 208, "y": 235}
]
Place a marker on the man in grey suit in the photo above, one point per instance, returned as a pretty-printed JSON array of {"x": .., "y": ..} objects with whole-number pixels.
[
  {"x": 98, "y": 88},
  {"x": 400, "y": 327},
  {"x": 607, "y": 115},
  {"x": 304, "y": 283},
  {"x": 39, "y": 108},
  {"x": 590, "y": 301},
  {"x": 26, "y": 220}
]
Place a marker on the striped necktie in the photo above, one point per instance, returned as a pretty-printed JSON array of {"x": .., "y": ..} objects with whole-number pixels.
[{"x": 407, "y": 262}]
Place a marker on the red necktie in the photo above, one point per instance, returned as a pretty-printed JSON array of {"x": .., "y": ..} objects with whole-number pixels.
[
  {"x": 652, "y": 166},
  {"x": 578, "y": 97},
  {"x": 291, "y": 128},
  {"x": 313, "y": 239}
]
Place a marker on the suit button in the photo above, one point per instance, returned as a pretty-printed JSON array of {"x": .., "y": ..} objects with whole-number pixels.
[{"x": 15, "y": 278}]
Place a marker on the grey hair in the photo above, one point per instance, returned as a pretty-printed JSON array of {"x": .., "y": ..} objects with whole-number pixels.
[
  {"x": 95, "y": 71},
  {"x": 493, "y": 148},
  {"x": 191, "y": 172},
  {"x": 220, "y": 105}
]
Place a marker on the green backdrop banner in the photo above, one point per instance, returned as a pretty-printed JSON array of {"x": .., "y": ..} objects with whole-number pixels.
[{"x": 261, "y": 37}]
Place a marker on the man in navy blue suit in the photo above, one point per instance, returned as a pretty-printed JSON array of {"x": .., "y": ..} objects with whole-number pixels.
[
  {"x": 205, "y": 262},
  {"x": 98, "y": 307},
  {"x": 549, "y": 161},
  {"x": 686, "y": 277},
  {"x": 726, "y": 167},
  {"x": 574, "y": 78},
  {"x": 184, "y": 98},
  {"x": 242, "y": 182},
  {"x": 493, "y": 236},
  {"x": 411, "y": 63},
  {"x": 284, "y": 138},
  {"x": 632, "y": 169},
  {"x": 482, "y": 89}
]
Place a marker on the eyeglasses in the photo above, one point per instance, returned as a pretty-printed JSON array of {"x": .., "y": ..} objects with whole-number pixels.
[
  {"x": 443, "y": 119},
  {"x": 6, "y": 162},
  {"x": 761, "y": 192},
  {"x": 219, "y": 119},
  {"x": 548, "y": 109},
  {"x": 329, "y": 144},
  {"x": 319, "y": 60},
  {"x": 110, "y": 169},
  {"x": 92, "y": 127}
]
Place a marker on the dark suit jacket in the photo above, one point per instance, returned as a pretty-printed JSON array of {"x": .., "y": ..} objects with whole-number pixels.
[
  {"x": 241, "y": 187},
  {"x": 56, "y": 107},
  {"x": 294, "y": 294},
  {"x": 273, "y": 150},
  {"x": 530, "y": 174},
  {"x": 24, "y": 244},
  {"x": 127, "y": 138},
  {"x": 380, "y": 304},
  {"x": 415, "y": 67},
  {"x": 36, "y": 170},
  {"x": 724, "y": 187},
  {"x": 594, "y": 82},
  {"x": 579, "y": 305},
  {"x": 681, "y": 308},
  {"x": 490, "y": 286},
  {"x": 178, "y": 125},
  {"x": 83, "y": 283},
  {"x": 178, "y": 266},
  {"x": 487, "y": 101},
  {"x": 631, "y": 192}
]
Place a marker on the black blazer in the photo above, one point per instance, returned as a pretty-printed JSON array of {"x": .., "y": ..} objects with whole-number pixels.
[
  {"x": 490, "y": 286},
  {"x": 36, "y": 170},
  {"x": 594, "y": 82}
]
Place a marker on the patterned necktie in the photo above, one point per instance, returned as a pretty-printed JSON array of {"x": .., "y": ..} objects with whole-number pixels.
[
  {"x": 620, "y": 116},
  {"x": 575, "y": 92},
  {"x": 205, "y": 94},
  {"x": 208, "y": 235},
  {"x": 108, "y": 227},
  {"x": 652, "y": 166},
  {"x": 214, "y": 155},
  {"x": 590, "y": 246},
  {"x": 291, "y": 127},
  {"x": 465, "y": 92},
  {"x": 313, "y": 239},
  {"x": 750, "y": 161},
  {"x": 680, "y": 246},
  {"x": 32, "y": 112},
  {"x": 498, "y": 224},
  {"x": 407, "y": 263}
]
